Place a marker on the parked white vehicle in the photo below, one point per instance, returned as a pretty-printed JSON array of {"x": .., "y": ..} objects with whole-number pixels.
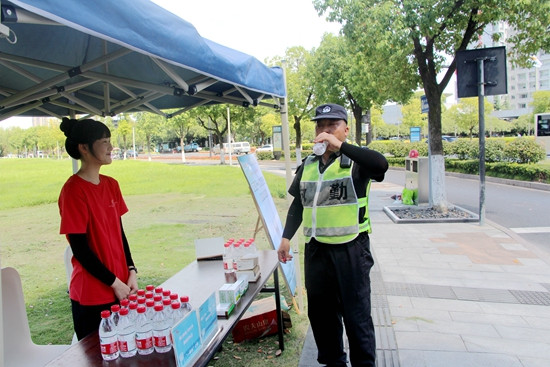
[
  {"x": 265, "y": 148},
  {"x": 241, "y": 147}
]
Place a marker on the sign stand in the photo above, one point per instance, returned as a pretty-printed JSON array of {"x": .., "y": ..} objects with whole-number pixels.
[{"x": 271, "y": 223}]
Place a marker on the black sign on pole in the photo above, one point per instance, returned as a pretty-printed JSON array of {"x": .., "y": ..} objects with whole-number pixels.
[{"x": 494, "y": 70}]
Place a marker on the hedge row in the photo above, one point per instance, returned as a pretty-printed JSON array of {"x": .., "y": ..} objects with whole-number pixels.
[
  {"x": 518, "y": 150},
  {"x": 514, "y": 171}
]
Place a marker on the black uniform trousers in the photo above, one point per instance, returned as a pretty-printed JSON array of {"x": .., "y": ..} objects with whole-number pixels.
[{"x": 337, "y": 281}]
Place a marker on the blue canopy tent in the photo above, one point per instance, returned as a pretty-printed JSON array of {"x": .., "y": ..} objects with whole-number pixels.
[{"x": 103, "y": 57}]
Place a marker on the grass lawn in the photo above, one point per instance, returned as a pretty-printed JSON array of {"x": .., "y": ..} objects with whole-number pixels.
[{"x": 170, "y": 205}]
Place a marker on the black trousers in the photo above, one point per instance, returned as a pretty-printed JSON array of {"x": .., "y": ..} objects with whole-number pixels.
[
  {"x": 337, "y": 281},
  {"x": 86, "y": 319}
]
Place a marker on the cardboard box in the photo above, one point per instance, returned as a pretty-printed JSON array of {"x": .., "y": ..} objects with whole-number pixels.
[{"x": 259, "y": 320}]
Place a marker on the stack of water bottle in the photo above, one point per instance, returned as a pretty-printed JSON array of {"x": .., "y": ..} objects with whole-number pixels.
[
  {"x": 142, "y": 323},
  {"x": 240, "y": 257}
]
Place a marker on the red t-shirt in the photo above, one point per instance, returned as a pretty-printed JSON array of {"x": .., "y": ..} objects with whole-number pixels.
[{"x": 94, "y": 210}]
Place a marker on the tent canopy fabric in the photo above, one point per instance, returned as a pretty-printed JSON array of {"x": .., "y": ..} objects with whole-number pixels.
[{"x": 106, "y": 57}]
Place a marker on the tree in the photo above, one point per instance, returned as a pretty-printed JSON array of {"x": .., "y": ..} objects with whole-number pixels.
[
  {"x": 413, "y": 116},
  {"x": 299, "y": 89},
  {"x": 430, "y": 32},
  {"x": 214, "y": 119},
  {"x": 344, "y": 74},
  {"x": 150, "y": 125},
  {"x": 466, "y": 114},
  {"x": 541, "y": 101},
  {"x": 180, "y": 124},
  {"x": 266, "y": 127},
  {"x": 377, "y": 124}
]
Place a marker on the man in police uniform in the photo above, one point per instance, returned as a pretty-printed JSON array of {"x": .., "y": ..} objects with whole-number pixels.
[{"x": 331, "y": 200}]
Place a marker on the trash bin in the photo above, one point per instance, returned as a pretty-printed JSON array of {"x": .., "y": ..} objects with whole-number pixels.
[{"x": 417, "y": 177}]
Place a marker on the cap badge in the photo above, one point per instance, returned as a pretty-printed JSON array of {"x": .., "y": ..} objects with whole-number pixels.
[{"x": 326, "y": 109}]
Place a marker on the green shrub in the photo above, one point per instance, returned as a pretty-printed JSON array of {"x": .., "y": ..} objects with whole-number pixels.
[
  {"x": 398, "y": 148},
  {"x": 262, "y": 156},
  {"x": 524, "y": 150},
  {"x": 307, "y": 146},
  {"x": 465, "y": 166},
  {"x": 466, "y": 148},
  {"x": 494, "y": 150},
  {"x": 379, "y": 146},
  {"x": 396, "y": 161}
]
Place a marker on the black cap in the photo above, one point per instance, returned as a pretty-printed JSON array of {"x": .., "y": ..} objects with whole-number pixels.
[{"x": 330, "y": 111}]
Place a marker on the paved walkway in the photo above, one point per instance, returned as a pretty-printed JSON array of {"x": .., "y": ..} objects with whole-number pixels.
[{"x": 454, "y": 294}]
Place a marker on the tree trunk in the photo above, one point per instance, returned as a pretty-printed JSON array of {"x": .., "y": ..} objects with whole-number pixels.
[
  {"x": 298, "y": 129},
  {"x": 357, "y": 115},
  {"x": 438, "y": 195}
]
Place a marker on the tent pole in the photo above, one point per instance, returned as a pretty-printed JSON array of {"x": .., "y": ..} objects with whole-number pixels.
[{"x": 75, "y": 162}]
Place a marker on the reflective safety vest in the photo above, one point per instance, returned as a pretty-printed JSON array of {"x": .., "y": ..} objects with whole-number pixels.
[{"x": 331, "y": 205}]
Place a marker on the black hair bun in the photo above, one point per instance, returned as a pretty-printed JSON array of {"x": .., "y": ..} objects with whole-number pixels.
[{"x": 67, "y": 126}]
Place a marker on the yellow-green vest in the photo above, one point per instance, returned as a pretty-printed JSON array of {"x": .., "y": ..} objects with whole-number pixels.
[{"x": 331, "y": 205}]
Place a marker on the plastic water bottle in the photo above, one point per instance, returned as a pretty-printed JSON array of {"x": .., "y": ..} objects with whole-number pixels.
[
  {"x": 229, "y": 271},
  {"x": 158, "y": 290},
  {"x": 144, "y": 333},
  {"x": 320, "y": 148},
  {"x": 108, "y": 337},
  {"x": 161, "y": 331},
  {"x": 174, "y": 297},
  {"x": 141, "y": 301},
  {"x": 132, "y": 311},
  {"x": 141, "y": 293},
  {"x": 177, "y": 314},
  {"x": 158, "y": 299},
  {"x": 238, "y": 253},
  {"x": 150, "y": 309},
  {"x": 250, "y": 248},
  {"x": 124, "y": 303},
  {"x": 126, "y": 335},
  {"x": 166, "y": 304},
  {"x": 115, "y": 316},
  {"x": 166, "y": 294},
  {"x": 185, "y": 305}
]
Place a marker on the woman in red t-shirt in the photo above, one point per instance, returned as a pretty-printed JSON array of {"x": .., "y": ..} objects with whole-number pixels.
[{"x": 91, "y": 207}]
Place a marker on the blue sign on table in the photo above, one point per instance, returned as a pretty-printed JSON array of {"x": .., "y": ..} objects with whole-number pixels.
[
  {"x": 187, "y": 338},
  {"x": 208, "y": 318}
]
